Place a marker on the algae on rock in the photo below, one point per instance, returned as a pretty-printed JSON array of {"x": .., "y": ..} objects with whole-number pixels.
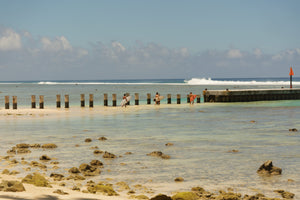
[{"x": 37, "y": 180}]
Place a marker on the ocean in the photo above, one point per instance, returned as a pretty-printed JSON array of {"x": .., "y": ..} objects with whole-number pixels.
[{"x": 203, "y": 135}]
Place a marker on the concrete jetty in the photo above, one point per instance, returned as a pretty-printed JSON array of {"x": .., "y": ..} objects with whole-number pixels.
[{"x": 250, "y": 95}]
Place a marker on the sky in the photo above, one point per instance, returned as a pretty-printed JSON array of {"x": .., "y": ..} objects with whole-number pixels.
[{"x": 136, "y": 39}]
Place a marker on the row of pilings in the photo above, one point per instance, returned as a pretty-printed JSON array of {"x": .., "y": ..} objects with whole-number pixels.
[{"x": 90, "y": 101}]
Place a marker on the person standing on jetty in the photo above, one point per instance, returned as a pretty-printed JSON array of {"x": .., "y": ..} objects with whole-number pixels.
[{"x": 157, "y": 100}]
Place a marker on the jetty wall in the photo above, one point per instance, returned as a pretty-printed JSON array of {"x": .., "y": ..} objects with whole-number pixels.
[{"x": 250, "y": 95}]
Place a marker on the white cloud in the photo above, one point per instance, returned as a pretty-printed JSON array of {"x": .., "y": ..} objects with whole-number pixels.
[
  {"x": 184, "y": 52},
  {"x": 46, "y": 56},
  {"x": 58, "y": 44},
  {"x": 288, "y": 54},
  {"x": 234, "y": 53},
  {"x": 27, "y": 34},
  {"x": 10, "y": 40},
  {"x": 118, "y": 46},
  {"x": 257, "y": 52}
]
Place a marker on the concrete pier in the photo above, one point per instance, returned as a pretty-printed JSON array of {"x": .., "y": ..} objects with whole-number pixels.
[{"x": 250, "y": 95}]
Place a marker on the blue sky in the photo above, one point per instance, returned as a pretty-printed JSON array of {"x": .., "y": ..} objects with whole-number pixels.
[{"x": 148, "y": 39}]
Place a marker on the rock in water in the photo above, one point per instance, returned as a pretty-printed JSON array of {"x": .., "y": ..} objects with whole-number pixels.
[
  {"x": 293, "y": 129},
  {"x": 11, "y": 186},
  {"x": 268, "y": 169},
  {"x": 161, "y": 197},
  {"x": 159, "y": 154},
  {"x": 49, "y": 146},
  {"x": 37, "y": 180}
]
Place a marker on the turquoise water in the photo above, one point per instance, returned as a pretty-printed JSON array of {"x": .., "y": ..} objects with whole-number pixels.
[{"x": 202, "y": 135}]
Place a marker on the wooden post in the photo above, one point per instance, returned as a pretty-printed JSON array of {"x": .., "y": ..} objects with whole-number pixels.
[
  {"x": 82, "y": 100},
  {"x": 198, "y": 98},
  {"x": 136, "y": 97},
  {"x": 105, "y": 100},
  {"x": 58, "y": 101},
  {"x": 114, "y": 100},
  {"x": 169, "y": 98},
  {"x": 33, "y": 101},
  {"x": 188, "y": 100},
  {"x": 91, "y": 100},
  {"x": 15, "y": 103},
  {"x": 148, "y": 98},
  {"x": 178, "y": 98},
  {"x": 127, "y": 95},
  {"x": 41, "y": 102},
  {"x": 6, "y": 102},
  {"x": 67, "y": 101}
]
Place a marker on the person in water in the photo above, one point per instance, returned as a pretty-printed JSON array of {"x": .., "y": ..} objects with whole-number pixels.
[
  {"x": 157, "y": 100},
  {"x": 191, "y": 96},
  {"x": 125, "y": 98}
]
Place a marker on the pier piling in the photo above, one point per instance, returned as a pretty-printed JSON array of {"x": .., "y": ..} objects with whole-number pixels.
[
  {"x": 15, "y": 103},
  {"x": 58, "y": 101},
  {"x": 41, "y": 102},
  {"x": 198, "y": 99},
  {"x": 105, "y": 99},
  {"x": 67, "y": 104},
  {"x": 136, "y": 97},
  {"x": 148, "y": 98},
  {"x": 127, "y": 95},
  {"x": 33, "y": 103},
  {"x": 178, "y": 98},
  {"x": 6, "y": 102},
  {"x": 114, "y": 100},
  {"x": 82, "y": 100},
  {"x": 169, "y": 98},
  {"x": 91, "y": 101}
]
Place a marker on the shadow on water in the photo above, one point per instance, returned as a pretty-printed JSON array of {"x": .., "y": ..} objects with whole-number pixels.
[{"x": 44, "y": 197}]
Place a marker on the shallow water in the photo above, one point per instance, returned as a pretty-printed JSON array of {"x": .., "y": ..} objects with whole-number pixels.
[{"x": 202, "y": 135}]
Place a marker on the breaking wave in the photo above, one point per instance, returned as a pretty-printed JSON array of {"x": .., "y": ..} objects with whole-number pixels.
[{"x": 260, "y": 81}]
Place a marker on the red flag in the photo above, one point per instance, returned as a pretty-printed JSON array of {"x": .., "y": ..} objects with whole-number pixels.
[{"x": 291, "y": 72}]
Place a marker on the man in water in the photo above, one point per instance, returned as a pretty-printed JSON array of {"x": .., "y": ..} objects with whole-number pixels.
[{"x": 157, "y": 100}]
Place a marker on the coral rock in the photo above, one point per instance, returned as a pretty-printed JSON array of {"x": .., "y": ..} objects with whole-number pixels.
[
  {"x": 159, "y": 154},
  {"x": 37, "y": 180},
  {"x": 161, "y": 197},
  {"x": 49, "y": 146},
  {"x": 268, "y": 169},
  {"x": 12, "y": 186}
]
